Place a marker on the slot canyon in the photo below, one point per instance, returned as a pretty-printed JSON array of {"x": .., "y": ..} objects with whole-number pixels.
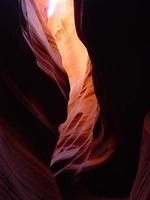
[{"x": 74, "y": 100}]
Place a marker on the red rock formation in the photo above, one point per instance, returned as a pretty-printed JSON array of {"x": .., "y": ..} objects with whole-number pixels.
[
  {"x": 117, "y": 39},
  {"x": 32, "y": 83},
  {"x": 141, "y": 187},
  {"x": 76, "y": 149},
  {"x": 101, "y": 126}
]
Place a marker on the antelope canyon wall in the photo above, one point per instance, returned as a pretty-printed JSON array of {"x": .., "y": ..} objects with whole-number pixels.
[
  {"x": 38, "y": 55},
  {"x": 116, "y": 35},
  {"x": 32, "y": 82},
  {"x": 76, "y": 149},
  {"x": 73, "y": 97}
]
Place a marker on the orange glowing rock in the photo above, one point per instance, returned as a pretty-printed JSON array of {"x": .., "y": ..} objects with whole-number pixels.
[{"x": 75, "y": 145}]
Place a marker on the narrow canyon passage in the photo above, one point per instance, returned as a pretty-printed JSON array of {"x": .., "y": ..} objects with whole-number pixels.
[
  {"x": 74, "y": 100},
  {"x": 74, "y": 150}
]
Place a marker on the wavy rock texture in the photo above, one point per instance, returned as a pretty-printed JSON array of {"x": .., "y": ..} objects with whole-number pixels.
[
  {"x": 116, "y": 35},
  {"x": 100, "y": 126},
  {"x": 77, "y": 148},
  {"x": 32, "y": 82},
  {"x": 141, "y": 187}
]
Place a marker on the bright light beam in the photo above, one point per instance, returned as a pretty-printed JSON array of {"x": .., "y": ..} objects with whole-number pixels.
[{"x": 51, "y": 7}]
